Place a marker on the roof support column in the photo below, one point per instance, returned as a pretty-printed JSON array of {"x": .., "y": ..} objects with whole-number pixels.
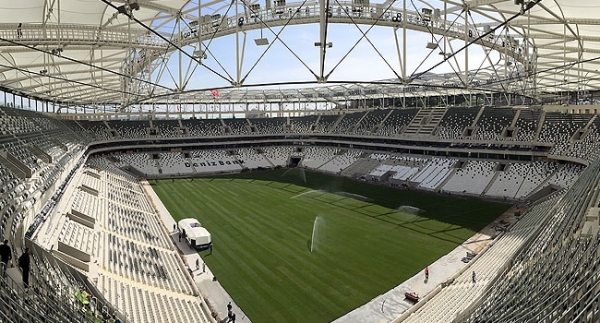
[
  {"x": 237, "y": 44},
  {"x": 58, "y": 26},
  {"x": 179, "y": 63},
  {"x": 466, "y": 70},
  {"x": 324, "y": 12},
  {"x": 404, "y": 57}
]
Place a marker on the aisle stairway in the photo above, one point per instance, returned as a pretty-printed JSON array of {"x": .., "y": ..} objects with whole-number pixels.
[{"x": 425, "y": 121}]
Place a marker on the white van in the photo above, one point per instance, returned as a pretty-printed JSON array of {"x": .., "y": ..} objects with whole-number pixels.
[{"x": 195, "y": 234}]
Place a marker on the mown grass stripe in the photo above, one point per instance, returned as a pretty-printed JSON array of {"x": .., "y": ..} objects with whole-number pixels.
[{"x": 262, "y": 225}]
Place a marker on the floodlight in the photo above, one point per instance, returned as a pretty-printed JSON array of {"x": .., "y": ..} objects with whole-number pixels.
[
  {"x": 261, "y": 41},
  {"x": 431, "y": 45},
  {"x": 329, "y": 44}
]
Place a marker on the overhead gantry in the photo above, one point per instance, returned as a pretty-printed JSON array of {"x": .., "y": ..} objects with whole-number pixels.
[
  {"x": 517, "y": 63},
  {"x": 451, "y": 35}
]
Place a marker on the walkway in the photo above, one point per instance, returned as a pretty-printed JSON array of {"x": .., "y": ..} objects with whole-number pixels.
[
  {"x": 213, "y": 293},
  {"x": 390, "y": 306}
]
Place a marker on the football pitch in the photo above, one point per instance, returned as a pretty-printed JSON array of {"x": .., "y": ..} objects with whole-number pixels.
[{"x": 297, "y": 246}]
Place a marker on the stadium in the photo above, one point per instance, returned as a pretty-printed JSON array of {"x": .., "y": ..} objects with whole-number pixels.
[{"x": 352, "y": 161}]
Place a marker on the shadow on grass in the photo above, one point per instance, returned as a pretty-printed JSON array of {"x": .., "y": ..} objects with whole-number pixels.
[{"x": 469, "y": 213}]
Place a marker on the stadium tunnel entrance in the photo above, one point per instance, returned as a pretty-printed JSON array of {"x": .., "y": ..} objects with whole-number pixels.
[{"x": 294, "y": 161}]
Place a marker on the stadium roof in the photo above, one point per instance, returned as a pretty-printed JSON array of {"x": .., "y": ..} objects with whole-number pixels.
[{"x": 127, "y": 52}]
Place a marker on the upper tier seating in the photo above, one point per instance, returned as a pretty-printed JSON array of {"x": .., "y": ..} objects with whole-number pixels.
[
  {"x": 396, "y": 122},
  {"x": 582, "y": 148},
  {"x": 455, "y": 121},
  {"x": 304, "y": 124},
  {"x": 167, "y": 128},
  {"x": 527, "y": 124},
  {"x": 130, "y": 128},
  {"x": 326, "y": 123},
  {"x": 492, "y": 122},
  {"x": 371, "y": 121},
  {"x": 269, "y": 125},
  {"x": 347, "y": 124},
  {"x": 203, "y": 127},
  {"x": 238, "y": 126},
  {"x": 97, "y": 129},
  {"x": 560, "y": 127}
]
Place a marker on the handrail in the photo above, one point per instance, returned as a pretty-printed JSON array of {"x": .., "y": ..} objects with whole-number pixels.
[
  {"x": 74, "y": 283},
  {"x": 78, "y": 34}
]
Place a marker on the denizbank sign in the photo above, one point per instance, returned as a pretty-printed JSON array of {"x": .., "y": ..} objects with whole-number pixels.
[{"x": 215, "y": 163}]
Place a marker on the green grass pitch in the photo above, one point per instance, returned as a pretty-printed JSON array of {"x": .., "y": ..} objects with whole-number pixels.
[{"x": 262, "y": 227}]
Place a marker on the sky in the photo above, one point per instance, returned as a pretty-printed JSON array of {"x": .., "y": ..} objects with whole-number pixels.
[
  {"x": 294, "y": 55},
  {"x": 293, "y": 58}
]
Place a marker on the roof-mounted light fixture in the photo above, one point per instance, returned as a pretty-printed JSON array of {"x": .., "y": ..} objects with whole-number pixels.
[
  {"x": 261, "y": 41},
  {"x": 329, "y": 44}
]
